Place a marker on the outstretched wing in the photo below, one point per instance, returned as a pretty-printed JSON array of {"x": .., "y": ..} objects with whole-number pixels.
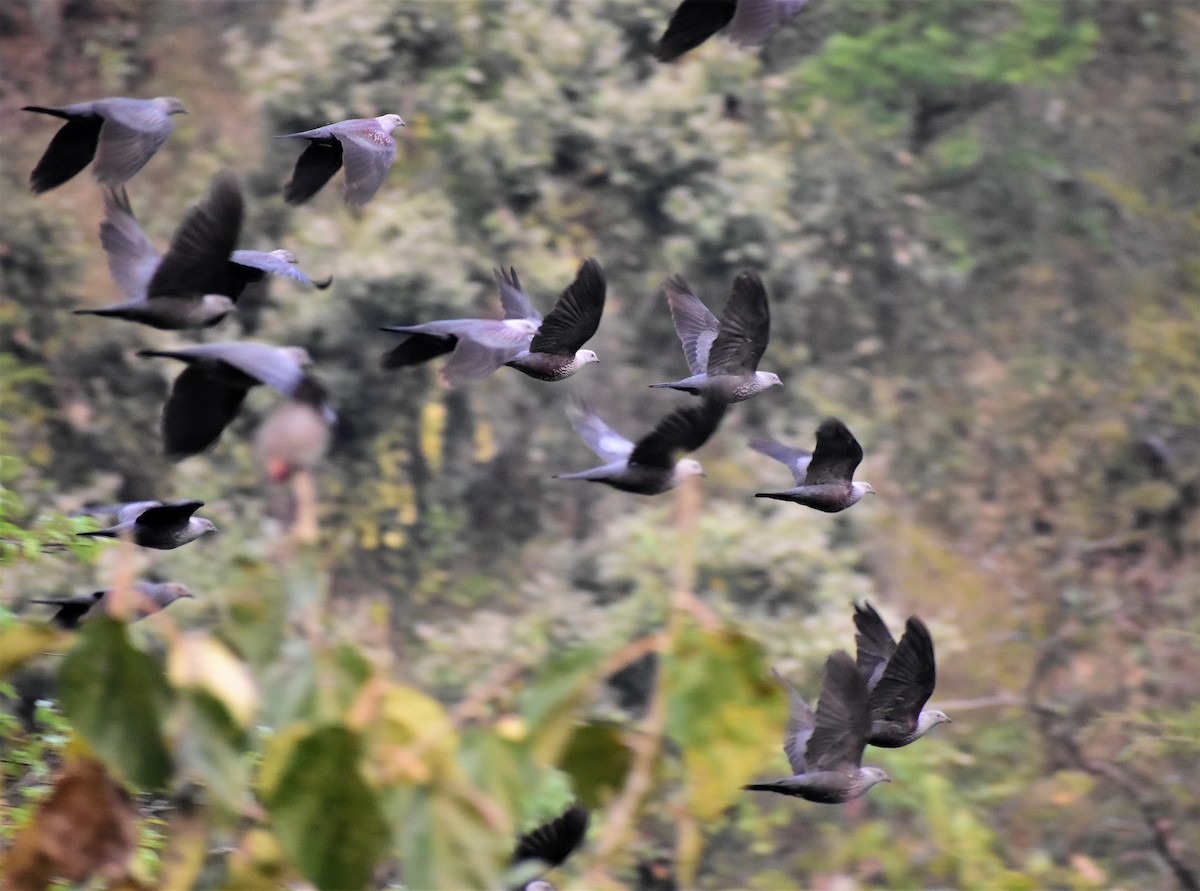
[
  {"x": 683, "y": 430},
  {"x": 575, "y": 316},
  {"x": 165, "y": 516},
  {"x": 692, "y": 23},
  {"x": 836, "y": 456},
  {"x": 796, "y": 459},
  {"x": 513, "y": 298},
  {"x": 197, "y": 411},
  {"x": 800, "y": 723},
  {"x": 598, "y": 436},
  {"x": 316, "y": 165},
  {"x": 553, "y": 842},
  {"x": 909, "y": 678},
  {"x": 197, "y": 262},
  {"x": 696, "y": 326},
  {"x": 874, "y": 643},
  {"x": 71, "y": 149},
  {"x": 367, "y": 153},
  {"x": 744, "y": 330},
  {"x": 134, "y": 129},
  {"x": 843, "y": 721},
  {"x": 132, "y": 259}
]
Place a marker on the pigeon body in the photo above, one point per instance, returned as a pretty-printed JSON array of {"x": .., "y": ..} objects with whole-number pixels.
[
  {"x": 825, "y": 477},
  {"x": 120, "y": 134},
  {"x": 295, "y": 437},
  {"x": 153, "y": 524},
  {"x": 825, "y": 747},
  {"x": 899, "y": 678},
  {"x": 653, "y": 466},
  {"x": 548, "y": 349},
  {"x": 748, "y": 23},
  {"x": 551, "y": 844},
  {"x": 723, "y": 354},
  {"x": 150, "y": 597},
  {"x": 208, "y": 393},
  {"x": 363, "y": 145}
]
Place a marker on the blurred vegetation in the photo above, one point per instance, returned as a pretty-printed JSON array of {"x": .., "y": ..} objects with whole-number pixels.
[{"x": 979, "y": 224}]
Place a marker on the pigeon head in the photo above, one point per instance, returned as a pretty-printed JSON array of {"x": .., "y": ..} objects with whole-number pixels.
[
  {"x": 539, "y": 885},
  {"x": 216, "y": 306},
  {"x": 171, "y": 105},
  {"x": 859, "y": 489},
  {"x": 869, "y": 776},
  {"x": 201, "y": 526},
  {"x": 686, "y": 467},
  {"x": 586, "y": 357},
  {"x": 928, "y": 719},
  {"x": 283, "y": 255},
  {"x": 299, "y": 355},
  {"x": 178, "y": 592},
  {"x": 768, "y": 379},
  {"x": 390, "y": 122}
]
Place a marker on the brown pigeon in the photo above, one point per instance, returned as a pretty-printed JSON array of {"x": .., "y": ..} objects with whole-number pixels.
[
  {"x": 150, "y": 597},
  {"x": 153, "y": 524},
  {"x": 825, "y": 477}
]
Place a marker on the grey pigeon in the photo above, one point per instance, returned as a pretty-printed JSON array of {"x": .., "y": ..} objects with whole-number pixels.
[
  {"x": 899, "y": 678},
  {"x": 121, "y": 134},
  {"x": 548, "y": 349},
  {"x": 150, "y": 597},
  {"x": 723, "y": 354},
  {"x": 654, "y": 465},
  {"x": 208, "y": 393},
  {"x": 825, "y": 748},
  {"x": 195, "y": 285},
  {"x": 825, "y": 477},
  {"x": 551, "y": 844},
  {"x": 747, "y": 23},
  {"x": 363, "y": 145},
  {"x": 257, "y": 265},
  {"x": 153, "y": 524}
]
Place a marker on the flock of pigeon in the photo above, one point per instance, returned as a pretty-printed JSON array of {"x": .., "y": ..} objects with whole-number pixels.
[{"x": 877, "y": 699}]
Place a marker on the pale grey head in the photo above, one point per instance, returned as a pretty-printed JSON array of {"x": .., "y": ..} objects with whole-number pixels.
[{"x": 170, "y": 105}]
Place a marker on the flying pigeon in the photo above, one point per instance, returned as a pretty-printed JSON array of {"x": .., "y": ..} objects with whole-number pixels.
[
  {"x": 295, "y": 437},
  {"x": 723, "y": 354},
  {"x": 654, "y": 465},
  {"x": 150, "y": 598},
  {"x": 121, "y": 134},
  {"x": 748, "y": 23},
  {"x": 548, "y": 349},
  {"x": 824, "y": 478},
  {"x": 254, "y": 266},
  {"x": 825, "y": 749},
  {"x": 551, "y": 844},
  {"x": 899, "y": 678},
  {"x": 208, "y": 393},
  {"x": 153, "y": 524},
  {"x": 364, "y": 145}
]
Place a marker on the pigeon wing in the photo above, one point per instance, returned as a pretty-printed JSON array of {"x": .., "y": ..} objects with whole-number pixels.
[
  {"x": 134, "y": 129},
  {"x": 197, "y": 411},
  {"x": 471, "y": 360},
  {"x": 132, "y": 259},
  {"x": 71, "y": 149},
  {"x": 197, "y": 260},
  {"x": 696, "y": 326},
  {"x": 575, "y": 316},
  {"x": 599, "y": 437},
  {"x": 744, "y": 330},
  {"x": 756, "y": 20},
  {"x": 319, "y": 161},
  {"x": 836, "y": 456},
  {"x": 166, "y": 516},
  {"x": 909, "y": 678},
  {"x": 874, "y": 644},
  {"x": 800, "y": 722},
  {"x": 418, "y": 348},
  {"x": 692, "y": 23},
  {"x": 683, "y": 430},
  {"x": 513, "y": 298},
  {"x": 796, "y": 459},
  {"x": 272, "y": 263},
  {"x": 553, "y": 842},
  {"x": 367, "y": 153},
  {"x": 842, "y": 721}
]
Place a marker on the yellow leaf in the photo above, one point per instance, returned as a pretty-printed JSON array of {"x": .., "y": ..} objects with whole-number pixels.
[{"x": 198, "y": 660}]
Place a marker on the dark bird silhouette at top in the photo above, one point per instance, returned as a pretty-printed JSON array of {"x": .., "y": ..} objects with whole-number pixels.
[
  {"x": 153, "y": 524},
  {"x": 208, "y": 393},
  {"x": 654, "y": 465},
  {"x": 548, "y": 349},
  {"x": 825, "y": 477},
  {"x": 723, "y": 355},
  {"x": 899, "y": 678},
  {"x": 149, "y": 598},
  {"x": 121, "y": 134},
  {"x": 825, "y": 748},
  {"x": 748, "y": 23},
  {"x": 551, "y": 844},
  {"x": 363, "y": 145}
]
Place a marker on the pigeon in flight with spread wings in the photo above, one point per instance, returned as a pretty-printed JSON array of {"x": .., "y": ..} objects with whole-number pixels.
[
  {"x": 550, "y": 844},
  {"x": 154, "y": 524},
  {"x": 121, "y": 134},
  {"x": 548, "y": 349},
  {"x": 208, "y": 393},
  {"x": 825, "y": 748},
  {"x": 149, "y": 598},
  {"x": 654, "y": 465},
  {"x": 825, "y": 477},
  {"x": 723, "y": 354},
  {"x": 748, "y": 23},
  {"x": 364, "y": 146},
  {"x": 900, "y": 678}
]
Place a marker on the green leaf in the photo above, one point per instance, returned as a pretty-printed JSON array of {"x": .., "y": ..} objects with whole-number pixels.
[
  {"x": 448, "y": 843},
  {"x": 116, "y": 695},
  {"x": 598, "y": 761},
  {"x": 551, "y": 702},
  {"x": 324, "y": 814},
  {"x": 210, "y": 748}
]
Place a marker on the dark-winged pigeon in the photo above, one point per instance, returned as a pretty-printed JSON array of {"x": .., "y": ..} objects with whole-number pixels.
[
  {"x": 825, "y": 748},
  {"x": 654, "y": 465},
  {"x": 899, "y": 678},
  {"x": 149, "y": 598},
  {"x": 153, "y": 524},
  {"x": 363, "y": 145},
  {"x": 548, "y": 349},
  {"x": 825, "y": 477},
  {"x": 121, "y": 134},
  {"x": 723, "y": 354},
  {"x": 208, "y": 393},
  {"x": 551, "y": 844},
  {"x": 747, "y": 23}
]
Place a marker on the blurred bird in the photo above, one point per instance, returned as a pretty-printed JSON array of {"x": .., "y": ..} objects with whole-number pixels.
[
  {"x": 825, "y": 477},
  {"x": 825, "y": 748},
  {"x": 121, "y": 134},
  {"x": 723, "y": 354},
  {"x": 548, "y": 349},
  {"x": 208, "y": 393},
  {"x": 150, "y": 597},
  {"x": 551, "y": 844},
  {"x": 900, "y": 679},
  {"x": 153, "y": 524},
  {"x": 254, "y": 266},
  {"x": 364, "y": 145},
  {"x": 748, "y": 23},
  {"x": 654, "y": 465}
]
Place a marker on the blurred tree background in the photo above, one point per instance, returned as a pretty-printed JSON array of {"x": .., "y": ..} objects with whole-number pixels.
[{"x": 979, "y": 225}]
